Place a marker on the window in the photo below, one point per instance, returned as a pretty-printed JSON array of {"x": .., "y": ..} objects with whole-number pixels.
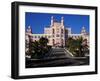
[
  {"x": 62, "y": 31},
  {"x": 32, "y": 36},
  {"x": 53, "y": 41},
  {"x": 53, "y": 36},
  {"x": 53, "y": 31},
  {"x": 38, "y": 36},
  {"x": 35, "y": 36},
  {"x": 61, "y": 35},
  {"x": 57, "y": 35},
  {"x": 62, "y": 42}
]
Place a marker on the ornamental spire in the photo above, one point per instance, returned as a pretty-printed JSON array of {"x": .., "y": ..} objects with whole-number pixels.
[
  {"x": 29, "y": 30},
  {"x": 62, "y": 21},
  {"x": 52, "y": 20},
  {"x": 83, "y": 31}
]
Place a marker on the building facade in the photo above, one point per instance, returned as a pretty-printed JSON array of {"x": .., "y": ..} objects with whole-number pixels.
[{"x": 56, "y": 33}]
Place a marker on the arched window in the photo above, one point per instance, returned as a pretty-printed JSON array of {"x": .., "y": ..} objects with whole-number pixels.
[
  {"x": 57, "y": 35},
  {"x": 53, "y": 41},
  {"x": 62, "y": 41},
  {"x": 62, "y": 31},
  {"x": 38, "y": 36},
  {"x": 53, "y": 31},
  {"x": 35, "y": 36}
]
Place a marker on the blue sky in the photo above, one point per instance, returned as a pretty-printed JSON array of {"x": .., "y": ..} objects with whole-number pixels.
[{"x": 40, "y": 20}]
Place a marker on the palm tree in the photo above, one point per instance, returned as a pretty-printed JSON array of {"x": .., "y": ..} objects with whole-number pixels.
[
  {"x": 79, "y": 46},
  {"x": 43, "y": 45},
  {"x": 43, "y": 41},
  {"x": 40, "y": 47},
  {"x": 75, "y": 46},
  {"x": 69, "y": 42}
]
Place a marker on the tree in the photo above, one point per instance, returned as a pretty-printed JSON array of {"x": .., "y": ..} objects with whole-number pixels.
[
  {"x": 40, "y": 47},
  {"x": 79, "y": 46},
  {"x": 70, "y": 44},
  {"x": 75, "y": 46},
  {"x": 36, "y": 49},
  {"x": 85, "y": 47},
  {"x": 43, "y": 41}
]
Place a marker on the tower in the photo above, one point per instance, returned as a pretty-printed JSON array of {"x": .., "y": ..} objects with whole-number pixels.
[
  {"x": 29, "y": 30},
  {"x": 62, "y": 21},
  {"x": 28, "y": 34},
  {"x": 52, "y": 21},
  {"x": 83, "y": 31}
]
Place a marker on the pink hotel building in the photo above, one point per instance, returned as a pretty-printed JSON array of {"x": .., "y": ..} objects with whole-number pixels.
[{"x": 56, "y": 33}]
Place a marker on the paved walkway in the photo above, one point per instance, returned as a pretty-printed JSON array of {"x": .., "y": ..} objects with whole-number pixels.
[
  {"x": 58, "y": 53},
  {"x": 56, "y": 57}
]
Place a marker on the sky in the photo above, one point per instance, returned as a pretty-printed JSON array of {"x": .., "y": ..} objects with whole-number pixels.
[{"x": 38, "y": 21}]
